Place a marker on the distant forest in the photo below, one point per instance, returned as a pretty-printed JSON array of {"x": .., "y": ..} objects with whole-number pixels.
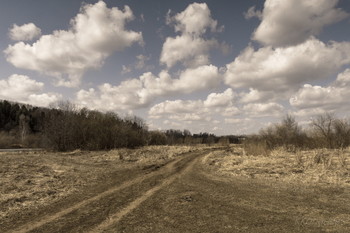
[{"x": 65, "y": 127}]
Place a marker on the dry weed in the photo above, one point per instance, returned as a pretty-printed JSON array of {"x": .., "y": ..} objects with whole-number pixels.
[
  {"x": 256, "y": 149},
  {"x": 32, "y": 179},
  {"x": 342, "y": 158},
  {"x": 315, "y": 166}
]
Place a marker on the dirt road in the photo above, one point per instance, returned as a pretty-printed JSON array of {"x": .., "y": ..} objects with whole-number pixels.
[{"x": 180, "y": 196}]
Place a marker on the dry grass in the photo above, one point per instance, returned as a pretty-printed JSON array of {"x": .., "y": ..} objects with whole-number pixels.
[
  {"x": 319, "y": 181},
  {"x": 149, "y": 154},
  {"x": 255, "y": 148},
  {"x": 39, "y": 178},
  {"x": 308, "y": 167}
]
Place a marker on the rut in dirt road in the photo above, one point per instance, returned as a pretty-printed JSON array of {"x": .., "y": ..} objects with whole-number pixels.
[
  {"x": 133, "y": 205},
  {"x": 111, "y": 205}
]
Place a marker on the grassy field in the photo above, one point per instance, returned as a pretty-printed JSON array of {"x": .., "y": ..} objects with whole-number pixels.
[
  {"x": 315, "y": 167},
  {"x": 33, "y": 179},
  {"x": 317, "y": 180},
  {"x": 313, "y": 186}
]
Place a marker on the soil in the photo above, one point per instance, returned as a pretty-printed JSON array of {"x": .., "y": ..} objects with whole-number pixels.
[{"x": 185, "y": 194}]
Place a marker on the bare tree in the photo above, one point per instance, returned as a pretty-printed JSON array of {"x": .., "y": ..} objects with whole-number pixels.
[
  {"x": 24, "y": 128},
  {"x": 342, "y": 133},
  {"x": 323, "y": 126}
]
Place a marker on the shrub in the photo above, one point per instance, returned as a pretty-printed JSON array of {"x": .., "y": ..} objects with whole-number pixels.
[
  {"x": 7, "y": 140},
  {"x": 256, "y": 146}
]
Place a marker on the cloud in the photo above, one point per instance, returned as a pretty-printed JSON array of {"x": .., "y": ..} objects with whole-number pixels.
[
  {"x": 291, "y": 22},
  {"x": 126, "y": 69},
  {"x": 236, "y": 120},
  {"x": 138, "y": 93},
  {"x": 333, "y": 97},
  {"x": 220, "y": 99},
  {"x": 176, "y": 107},
  {"x": 190, "y": 110},
  {"x": 26, "y": 32},
  {"x": 262, "y": 110},
  {"x": 195, "y": 20},
  {"x": 283, "y": 70},
  {"x": 190, "y": 48},
  {"x": 218, "y": 108},
  {"x": 256, "y": 96},
  {"x": 316, "y": 96},
  {"x": 141, "y": 63},
  {"x": 252, "y": 13},
  {"x": 343, "y": 79},
  {"x": 22, "y": 89},
  {"x": 95, "y": 33},
  {"x": 190, "y": 51}
]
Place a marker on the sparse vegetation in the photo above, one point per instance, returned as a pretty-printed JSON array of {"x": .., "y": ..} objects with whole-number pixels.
[
  {"x": 65, "y": 127},
  {"x": 39, "y": 178},
  {"x": 325, "y": 131},
  {"x": 317, "y": 166},
  {"x": 315, "y": 158}
]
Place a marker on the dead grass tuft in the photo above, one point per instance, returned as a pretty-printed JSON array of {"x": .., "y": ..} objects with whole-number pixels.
[{"x": 256, "y": 148}]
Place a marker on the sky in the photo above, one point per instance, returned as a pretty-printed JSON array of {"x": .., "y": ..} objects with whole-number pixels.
[{"x": 217, "y": 66}]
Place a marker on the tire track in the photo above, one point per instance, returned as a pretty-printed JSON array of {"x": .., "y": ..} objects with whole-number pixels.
[
  {"x": 115, "y": 218},
  {"x": 168, "y": 168}
]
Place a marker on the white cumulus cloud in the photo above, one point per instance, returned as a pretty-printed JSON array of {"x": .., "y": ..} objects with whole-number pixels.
[
  {"x": 204, "y": 115},
  {"x": 263, "y": 109},
  {"x": 95, "y": 33},
  {"x": 190, "y": 51},
  {"x": 285, "y": 69},
  {"x": 137, "y": 93},
  {"x": 26, "y": 32},
  {"x": 256, "y": 96},
  {"x": 195, "y": 19},
  {"x": 190, "y": 48},
  {"x": 220, "y": 99},
  {"x": 252, "y": 13},
  {"x": 221, "y": 104},
  {"x": 330, "y": 98},
  {"x": 291, "y": 22},
  {"x": 22, "y": 89}
]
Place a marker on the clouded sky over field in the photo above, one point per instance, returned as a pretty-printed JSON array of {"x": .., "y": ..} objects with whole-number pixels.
[{"x": 220, "y": 66}]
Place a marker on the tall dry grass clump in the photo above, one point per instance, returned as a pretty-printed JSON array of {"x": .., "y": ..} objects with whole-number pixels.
[{"x": 255, "y": 146}]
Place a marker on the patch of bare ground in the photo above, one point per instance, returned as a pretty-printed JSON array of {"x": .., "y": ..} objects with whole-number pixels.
[
  {"x": 35, "y": 180},
  {"x": 318, "y": 179}
]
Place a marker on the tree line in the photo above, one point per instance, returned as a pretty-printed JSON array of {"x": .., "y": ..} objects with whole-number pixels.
[
  {"x": 324, "y": 131},
  {"x": 65, "y": 127}
]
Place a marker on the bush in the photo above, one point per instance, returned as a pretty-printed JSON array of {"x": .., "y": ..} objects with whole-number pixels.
[
  {"x": 7, "y": 140},
  {"x": 256, "y": 146},
  {"x": 287, "y": 134}
]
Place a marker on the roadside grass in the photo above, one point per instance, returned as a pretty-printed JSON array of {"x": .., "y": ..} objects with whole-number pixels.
[
  {"x": 322, "y": 166},
  {"x": 148, "y": 154},
  {"x": 32, "y": 179},
  {"x": 313, "y": 186}
]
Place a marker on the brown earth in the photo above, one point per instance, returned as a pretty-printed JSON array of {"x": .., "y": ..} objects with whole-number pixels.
[{"x": 182, "y": 194}]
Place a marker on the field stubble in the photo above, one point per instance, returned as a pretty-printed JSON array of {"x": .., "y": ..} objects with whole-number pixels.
[
  {"x": 310, "y": 167},
  {"x": 319, "y": 177},
  {"x": 33, "y": 179}
]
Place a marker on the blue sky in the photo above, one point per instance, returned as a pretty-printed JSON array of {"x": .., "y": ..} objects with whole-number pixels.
[{"x": 220, "y": 66}]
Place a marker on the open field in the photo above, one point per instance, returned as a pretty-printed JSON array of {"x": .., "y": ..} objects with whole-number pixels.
[
  {"x": 175, "y": 189},
  {"x": 33, "y": 179},
  {"x": 313, "y": 167},
  {"x": 318, "y": 179}
]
